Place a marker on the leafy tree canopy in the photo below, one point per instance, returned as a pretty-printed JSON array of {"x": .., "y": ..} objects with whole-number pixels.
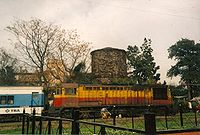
[
  {"x": 7, "y": 68},
  {"x": 187, "y": 56},
  {"x": 141, "y": 63},
  {"x": 186, "y": 53},
  {"x": 178, "y": 91}
]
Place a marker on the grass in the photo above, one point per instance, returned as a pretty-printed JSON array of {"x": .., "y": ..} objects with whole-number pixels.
[
  {"x": 173, "y": 122},
  {"x": 15, "y": 128},
  {"x": 11, "y": 128}
]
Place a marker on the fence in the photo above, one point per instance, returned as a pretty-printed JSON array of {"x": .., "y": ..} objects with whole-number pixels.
[
  {"x": 32, "y": 124},
  {"x": 143, "y": 122}
]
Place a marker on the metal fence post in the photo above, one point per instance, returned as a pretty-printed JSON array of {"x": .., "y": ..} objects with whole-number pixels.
[
  {"x": 166, "y": 121},
  {"x": 60, "y": 124},
  {"x": 49, "y": 126},
  {"x": 195, "y": 115},
  {"x": 23, "y": 121},
  {"x": 60, "y": 127},
  {"x": 132, "y": 118},
  {"x": 114, "y": 116},
  {"x": 33, "y": 122},
  {"x": 94, "y": 121},
  {"x": 102, "y": 130},
  {"x": 181, "y": 114},
  {"x": 40, "y": 124},
  {"x": 27, "y": 124},
  {"x": 75, "y": 124},
  {"x": 150, "y": 123}
]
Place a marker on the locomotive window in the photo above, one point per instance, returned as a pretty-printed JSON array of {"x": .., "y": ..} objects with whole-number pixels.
[
  {"x": 70, "y": 91},
  {"x": 58, "y": 92},
  {"x": 126, "y": 88},
  {"x": 113, "y": 88},
  {"x": 105, "y": 88},
  {"x": 96, "y": 88},
  {"x": 10, "y": 100},
  {"x": 88, "y": 88},
  {"x": 119, "y": 88},
  {"x": 159, "y": 93},
  {"x": 3, "y": 100}
]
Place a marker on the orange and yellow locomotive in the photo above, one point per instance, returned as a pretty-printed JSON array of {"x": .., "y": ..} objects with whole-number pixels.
[{"x": 91, "y": 95}]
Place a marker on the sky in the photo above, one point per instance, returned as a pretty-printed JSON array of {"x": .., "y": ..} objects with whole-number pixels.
[{"x": 113, "y": 23}]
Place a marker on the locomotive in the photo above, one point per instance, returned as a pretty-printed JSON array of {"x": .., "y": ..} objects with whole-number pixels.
[{"x": 73, "y": 95}]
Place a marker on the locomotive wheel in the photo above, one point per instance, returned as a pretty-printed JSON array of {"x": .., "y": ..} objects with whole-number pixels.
[
  {"x": 65, "y": 113},
  {"x": 85, "y": 115}
]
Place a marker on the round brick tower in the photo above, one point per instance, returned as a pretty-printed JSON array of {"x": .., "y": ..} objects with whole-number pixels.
[{"x": 109, "y": 63}]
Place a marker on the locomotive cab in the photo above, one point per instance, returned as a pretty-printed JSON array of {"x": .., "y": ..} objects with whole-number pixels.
[
  {"x": 161, "y": 95},
  {"x": 66, "y": 96}
]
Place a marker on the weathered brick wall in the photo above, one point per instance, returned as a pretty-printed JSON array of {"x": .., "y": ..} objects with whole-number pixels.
[{"x": 109, "y": 63}]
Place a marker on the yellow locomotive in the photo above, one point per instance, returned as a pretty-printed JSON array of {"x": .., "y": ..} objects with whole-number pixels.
[{"x": 92, "y": 95}]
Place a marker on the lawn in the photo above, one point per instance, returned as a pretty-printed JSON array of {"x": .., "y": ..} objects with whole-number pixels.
[
  {"x": 173, "y": 122},
  {"x": 11, "y": 128}
]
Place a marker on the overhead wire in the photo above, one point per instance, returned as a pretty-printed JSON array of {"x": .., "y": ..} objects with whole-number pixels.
[{"x": 154, "y": 12}]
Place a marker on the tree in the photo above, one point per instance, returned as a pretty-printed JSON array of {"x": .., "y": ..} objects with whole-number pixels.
[
  {"x": 186, "y": 54},
  {"x": 72, "y": 56},
  {"x": 141, "y": 63},
  {"x": 7, "y": 68},
  {"x": 178, "y": 91},
  {"x": 35, "y": 42},
  {"x": 49, "y": 49}
]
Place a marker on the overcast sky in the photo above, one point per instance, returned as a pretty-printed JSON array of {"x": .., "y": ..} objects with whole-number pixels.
[{"x": 113, "y": 23}]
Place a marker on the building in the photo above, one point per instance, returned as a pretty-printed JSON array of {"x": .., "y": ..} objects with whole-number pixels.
[{"x": 109, "y": 63}]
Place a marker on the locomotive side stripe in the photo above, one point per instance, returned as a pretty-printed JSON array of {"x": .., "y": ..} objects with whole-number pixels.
[
  {"x": 111, "y": 97},
  {"x": 58, "y": 102}
]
